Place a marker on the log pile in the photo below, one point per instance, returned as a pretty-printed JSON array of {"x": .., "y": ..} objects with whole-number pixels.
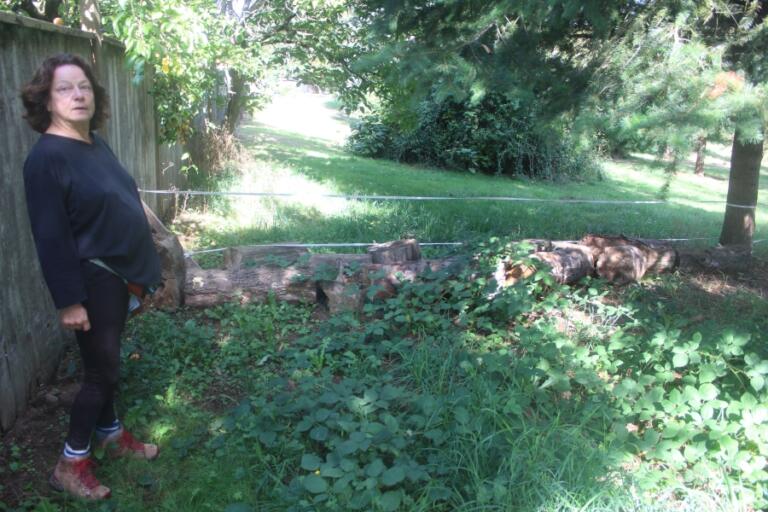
[
  {"x": 618, "y": 259},
  {"x": 342, "y": 282}
]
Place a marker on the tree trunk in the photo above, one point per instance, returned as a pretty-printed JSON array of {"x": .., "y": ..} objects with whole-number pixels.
[
  {"x": 701, "y": 146},
  {"x": 739, "y": 222},
  {"x": 237, "y": 100},
  {"x": 90, "y": 18}
]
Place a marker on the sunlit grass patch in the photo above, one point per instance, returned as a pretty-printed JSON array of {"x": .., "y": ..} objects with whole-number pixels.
[{"x": 287, "y": 158}]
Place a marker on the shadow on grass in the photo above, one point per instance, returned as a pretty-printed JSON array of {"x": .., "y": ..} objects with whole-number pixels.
[
  {"x": 328, "y": 164},
  {"x": 718, "y": 171}
]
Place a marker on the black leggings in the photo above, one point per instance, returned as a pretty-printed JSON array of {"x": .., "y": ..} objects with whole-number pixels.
[{"x": 107, "y": 307}]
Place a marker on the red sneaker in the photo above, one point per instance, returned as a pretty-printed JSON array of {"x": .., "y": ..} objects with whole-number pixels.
[
  {"x": 75, "y": 477},
  {"x": 122, "y": 443}
]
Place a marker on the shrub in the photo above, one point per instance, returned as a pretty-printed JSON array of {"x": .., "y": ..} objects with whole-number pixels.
[{"x": 497, "y": 135}]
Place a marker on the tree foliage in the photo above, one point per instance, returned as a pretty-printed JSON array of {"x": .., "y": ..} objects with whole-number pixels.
[
  {"x": 669, "y": 81},
  {"x": 214, "y": 57},
  {"x": 653, "y": 75},
  {"x": 205, "y": 53}
]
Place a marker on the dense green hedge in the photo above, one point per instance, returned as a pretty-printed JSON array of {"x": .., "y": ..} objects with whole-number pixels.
[{"x": 497, "y": 135}]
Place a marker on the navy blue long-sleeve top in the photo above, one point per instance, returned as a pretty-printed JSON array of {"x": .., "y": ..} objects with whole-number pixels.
[{"x": 84, "y": 205}]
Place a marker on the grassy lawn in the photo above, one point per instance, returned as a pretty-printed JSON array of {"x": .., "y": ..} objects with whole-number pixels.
[
  {"x": 296, "y": 148},
  {"x": 546, "y": 398}
]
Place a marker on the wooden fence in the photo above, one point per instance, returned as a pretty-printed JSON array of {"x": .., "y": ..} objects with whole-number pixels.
[{"x": 31, "y": 340}]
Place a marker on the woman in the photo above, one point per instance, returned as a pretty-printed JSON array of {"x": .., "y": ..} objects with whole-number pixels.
[{"x": 94, "y": 243}]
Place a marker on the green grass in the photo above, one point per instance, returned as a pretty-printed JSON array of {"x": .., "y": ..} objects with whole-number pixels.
[{"x": 281, "y": 161}]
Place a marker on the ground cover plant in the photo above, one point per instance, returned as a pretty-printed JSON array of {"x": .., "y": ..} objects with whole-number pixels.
[{"x": 541, "y": 398}]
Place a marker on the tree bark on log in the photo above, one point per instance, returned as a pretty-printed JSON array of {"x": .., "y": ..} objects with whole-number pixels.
[
  {"x": 621, "y": 264},
  {"x": 172, "y": 266},
  {"x": 395, "y": 252},
  {"x": 209, "y": 287},
  {"x": 659, "y": 257},
  {"x": 338, "y": 281},
  {"x": 618, "y": 259},
  {"x": 568, "y": 262}
]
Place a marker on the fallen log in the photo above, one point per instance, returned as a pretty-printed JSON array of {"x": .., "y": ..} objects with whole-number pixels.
[
  {"x": 208, "y": 287},
  {"x": 621, "y": 264},
  {"x": 395, "y": 252},
  {"x": 567, "y": 262},
  {"x": 659, "y": 256},
  {"x": 618, "y": 259},
  {"x": 341, "y": 282}
]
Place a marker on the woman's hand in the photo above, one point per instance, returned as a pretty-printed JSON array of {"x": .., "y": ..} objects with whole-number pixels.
[{"x": 75, "y": 317}]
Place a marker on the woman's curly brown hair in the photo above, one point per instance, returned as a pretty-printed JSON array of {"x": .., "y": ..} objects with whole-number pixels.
[{"x": 36, "y": 94}]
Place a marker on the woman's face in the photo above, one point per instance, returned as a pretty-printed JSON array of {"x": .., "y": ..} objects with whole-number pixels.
[{"x": 71, "y": 99}]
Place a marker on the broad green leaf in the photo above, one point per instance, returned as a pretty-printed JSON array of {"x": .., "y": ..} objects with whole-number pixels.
[
  {"x": 310, "y": 462},
  {"x": 342, "y": 484},
  {"x": 757, "y": 382},
  {"x": 319, "y": 433},
  {"x": 730, "y": 445},
  {"x": 315, "y": 484},
  {"x": 762, "y": 367},
  {"x": 691, "y": 395},
  {"x": 708, "y": 391},
  {"x": 390, "y": 501},
  {"x": 393, "y": 476},
  {"x": 707, "y": 374},
  {"x": 680, "y": 360},
  {"x": 748, "y": 400},
  {"x": 268, "y": 438},
  {"x": 375, "y": 468},
  {"x": 348, "y": 447},
  {"x": 330, "y": 471},
  {"x": 670, "y": 431}
]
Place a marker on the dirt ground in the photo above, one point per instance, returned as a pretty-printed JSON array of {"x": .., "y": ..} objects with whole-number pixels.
[
  {"x": 718, "y": 276},
  {"x": 30, "y": 449}
]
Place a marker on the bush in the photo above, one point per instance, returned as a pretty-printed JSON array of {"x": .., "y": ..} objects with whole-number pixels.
[{"x": 496, "y": 136}]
